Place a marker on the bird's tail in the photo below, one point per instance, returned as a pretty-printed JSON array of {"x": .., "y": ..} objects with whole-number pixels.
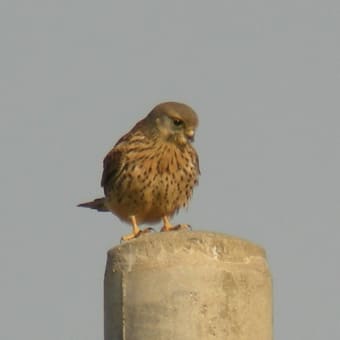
[{"x": 98, "y": 204}]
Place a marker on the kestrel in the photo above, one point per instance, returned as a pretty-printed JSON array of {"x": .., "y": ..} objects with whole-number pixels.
[{"x": 151, "y": 171}]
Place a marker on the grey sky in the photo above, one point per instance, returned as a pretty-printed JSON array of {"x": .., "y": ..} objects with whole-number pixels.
[{"x": 75, "y": 75}]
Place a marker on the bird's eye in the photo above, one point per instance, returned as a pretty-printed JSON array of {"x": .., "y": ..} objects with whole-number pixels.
[{"x": 177, "y": 122}]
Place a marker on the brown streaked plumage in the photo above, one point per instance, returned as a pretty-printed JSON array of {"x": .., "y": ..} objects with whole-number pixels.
[{"x": 151, "y": 171}]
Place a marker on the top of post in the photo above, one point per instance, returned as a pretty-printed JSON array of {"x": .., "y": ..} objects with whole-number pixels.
[{"x": 171, "y": 248}]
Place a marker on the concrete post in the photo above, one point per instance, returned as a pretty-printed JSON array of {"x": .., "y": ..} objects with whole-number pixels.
[{"x": 187, "y": 286}]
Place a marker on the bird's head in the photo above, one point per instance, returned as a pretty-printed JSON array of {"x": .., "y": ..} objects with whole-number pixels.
[{"x": 174, "y": 122}]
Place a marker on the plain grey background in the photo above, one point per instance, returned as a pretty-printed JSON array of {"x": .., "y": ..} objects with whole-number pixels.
[{"x": 264, "y": 77}]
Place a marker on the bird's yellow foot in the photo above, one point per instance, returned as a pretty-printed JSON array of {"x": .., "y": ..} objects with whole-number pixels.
[
  {"x": 177, "y": 227},
  {"x": 136, "y": 231},
  {"x": 169, "y": 227},
  {"x": 133, "y": 235}
]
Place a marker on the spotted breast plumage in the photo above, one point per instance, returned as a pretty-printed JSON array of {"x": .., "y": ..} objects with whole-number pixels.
[{"x": 151, "y": 171}]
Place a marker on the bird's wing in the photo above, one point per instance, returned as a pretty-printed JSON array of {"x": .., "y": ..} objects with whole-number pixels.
[
  {"x": 112, "y": 166},
  {"x": 113, "y": 163}
]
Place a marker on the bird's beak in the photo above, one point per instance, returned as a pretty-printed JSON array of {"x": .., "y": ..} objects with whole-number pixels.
[{"x": 190, "y": 134}]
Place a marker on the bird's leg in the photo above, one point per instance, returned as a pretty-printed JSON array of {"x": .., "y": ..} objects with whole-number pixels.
[
  {"x": 136, "y": 231},
  {"x": 167, "y": 226}
]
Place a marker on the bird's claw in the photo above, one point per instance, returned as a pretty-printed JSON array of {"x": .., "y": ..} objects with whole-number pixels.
[
  {"x": 177, "y": 227},
  {"x": 133, "y": 236},
  {"x": 147, "y": 230}
]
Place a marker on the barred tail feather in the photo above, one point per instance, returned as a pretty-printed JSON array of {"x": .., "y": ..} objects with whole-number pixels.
[{"x": 98, "y": 204}]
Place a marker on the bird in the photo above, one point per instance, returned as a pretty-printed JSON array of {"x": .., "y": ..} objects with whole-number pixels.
[{"x": 151, "y": 172}]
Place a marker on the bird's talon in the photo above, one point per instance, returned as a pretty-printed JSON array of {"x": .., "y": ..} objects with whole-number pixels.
[
  {"x": 178, "y": 227},
  {"x": 147, "y": 230},
  {"x": 183, "y": 227},
  {"x": 136, "y": 235}
]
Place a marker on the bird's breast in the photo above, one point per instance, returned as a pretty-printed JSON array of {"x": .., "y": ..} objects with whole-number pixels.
[{"x": 156, "y": 181}]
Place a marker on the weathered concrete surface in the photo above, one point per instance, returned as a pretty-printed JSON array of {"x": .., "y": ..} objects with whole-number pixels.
[{"x": 187, "y": 286}]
